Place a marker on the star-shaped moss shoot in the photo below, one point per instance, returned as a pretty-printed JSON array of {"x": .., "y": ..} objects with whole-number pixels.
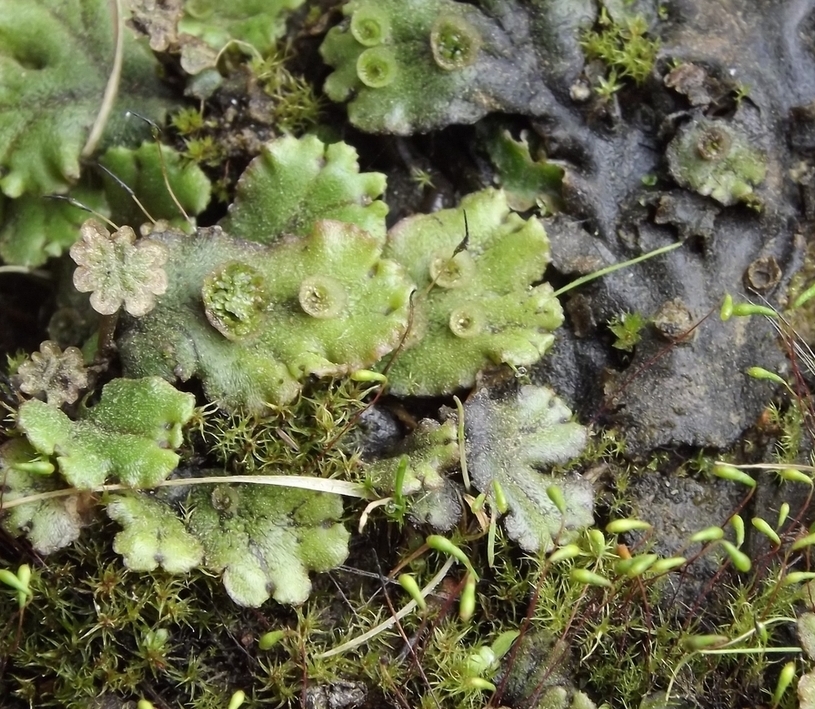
[
  {"x": 475, "y": 304},
  {"x": 116, "y": 269},
  {"x": 59, "y": 375}
]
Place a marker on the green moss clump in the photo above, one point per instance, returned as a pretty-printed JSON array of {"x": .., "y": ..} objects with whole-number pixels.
[{"x": 623, "y": 46}]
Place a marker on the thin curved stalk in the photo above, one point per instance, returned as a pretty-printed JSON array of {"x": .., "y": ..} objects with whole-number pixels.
[
  {"x": 390, "y": 622},
  {"x": 112, "y": 88},
  {"x": 304, "y": 482}
]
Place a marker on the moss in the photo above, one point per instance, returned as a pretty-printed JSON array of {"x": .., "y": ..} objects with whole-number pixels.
[
  {"x": 623, "y": 46},
  {"x": 91, "y": 629},
  {"x": 627, "y": 329}
]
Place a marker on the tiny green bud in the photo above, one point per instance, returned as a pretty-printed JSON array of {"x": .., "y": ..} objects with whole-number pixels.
[
  {"x": 24, "y": 576},
  {"x": 737, "y": 523},
  {"x": 35, "y": 467},
  {"x": 366, "y": 375},
  {"x": 569, "y": 551},
  {"x": 731, "y": 472},
  {"x": 762, "y": 632},
  {"x": 620, "y": 526},
  {"x": 408, "y": 582},
  {"x": 237, "y": 699},
  {"x": 480, "y": 683},
  {"x": 445, "y": 546},
  {"x": 785, "y": 678},
  {"x": 726, "y": 311},
  {"x": 268, "y": 640},
  {"x": 144, "y": 704},
  {"x": 804, "y": 542},
  {"x": 702, "y": 642},
  {"x": 783, "y": 513},
  {"x": 155, "y": 639},
  {"x": 746, "y": 309},
  {"x": 640, "y": 564},
  {"x": 10, "y": 579},
  {"x": 503, "y": 643},
  {"x": 762, "y": 526},
  {"x": 555, "y": 493},
  {"x": 708, "y": 534},
  {"x": 478, "y": 503},
  {"x": 466, "y": 604},
  {"x": 765, "y": 374},
  {"x": 794, "y": 476},
  {"x": 597, "y": 541},
  {"x": 480, "y": 661},
  {"x": 499, "y": 497},
  {"x": 798, "y": 577},
  {"x": 664, "y": 565},
  {"x": 739, "y": 559},
  {"x": 588, "y": 578}
]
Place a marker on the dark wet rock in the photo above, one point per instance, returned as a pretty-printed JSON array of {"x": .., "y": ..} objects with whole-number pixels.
[
  {"x": 696, "y": 393},
  {"x": 376, "y": 432},
  {"x": 691, "y": 214},
  {"x": 678, "y": 508}
]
